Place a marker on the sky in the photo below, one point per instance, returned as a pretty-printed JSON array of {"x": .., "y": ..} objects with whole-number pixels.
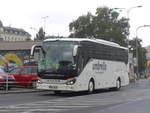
[{"x": 29, "y": 15}]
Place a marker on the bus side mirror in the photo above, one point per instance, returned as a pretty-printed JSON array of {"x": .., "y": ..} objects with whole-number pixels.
[
  {"x": 32, "y": 50},
  {"x": 35, "y": 50},
  {"x": 75, "y": 50}
]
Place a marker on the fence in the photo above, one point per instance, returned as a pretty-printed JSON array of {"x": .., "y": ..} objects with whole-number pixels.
[{"x": 8, "y": 86}]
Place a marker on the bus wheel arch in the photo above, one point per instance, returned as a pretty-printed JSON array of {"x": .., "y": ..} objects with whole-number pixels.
[
  {"x": 91, "y": 86},
  {"x": 117, "y": 85}
]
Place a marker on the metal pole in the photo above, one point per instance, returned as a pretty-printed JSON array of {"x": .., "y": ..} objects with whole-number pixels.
[
  {"x": 137, "y": 52},
  {"x": 137, "y": 58},
  {"x": 6, "y": 84},
  {"x": 45, "y": 22},
  {"x": 128, "y": 12}
]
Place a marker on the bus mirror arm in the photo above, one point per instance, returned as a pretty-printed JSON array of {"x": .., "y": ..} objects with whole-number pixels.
[
  {"x": 34, "y": 47},
  {"x": 75, "y": 50}
]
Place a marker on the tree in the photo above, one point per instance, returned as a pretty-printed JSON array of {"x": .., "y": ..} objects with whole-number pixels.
[
  {"x": 105, "y": 24},
  {"x": 82, "y": 27},
  {"x": 141, "y": 53},
  {"x": 40, "y": 35}
]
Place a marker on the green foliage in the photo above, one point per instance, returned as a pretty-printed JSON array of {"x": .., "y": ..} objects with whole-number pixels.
[
  {"x": 105, "y": 24},
  {"x": 40, "y": 35}
]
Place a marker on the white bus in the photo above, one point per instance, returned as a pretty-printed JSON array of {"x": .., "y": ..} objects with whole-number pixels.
[{"x": 80, "y": 64}]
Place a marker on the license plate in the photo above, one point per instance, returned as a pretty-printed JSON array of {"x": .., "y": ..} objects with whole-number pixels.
[
  {"x": 55, "y": 81},
  {"x": 53, "y": 87}
]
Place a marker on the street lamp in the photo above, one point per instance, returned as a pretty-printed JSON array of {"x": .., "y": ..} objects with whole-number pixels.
[
  {"x": 128, "y": 12},
  {"x": 137, "y": 70},
  {"x": 128, "y": 29}
]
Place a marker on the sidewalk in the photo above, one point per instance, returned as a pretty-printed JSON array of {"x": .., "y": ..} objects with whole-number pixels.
[
  {"x": 19, "y": 90},
  {"x": 140, "y": 84}
]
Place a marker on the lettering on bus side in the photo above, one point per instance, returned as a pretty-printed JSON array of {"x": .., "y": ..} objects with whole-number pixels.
[{"x": 99, "y": 67}]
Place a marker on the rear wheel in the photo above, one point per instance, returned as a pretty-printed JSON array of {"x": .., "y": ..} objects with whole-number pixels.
[
  {"x": 91, "y": 87},
  {"x": 118, "y": 86}
]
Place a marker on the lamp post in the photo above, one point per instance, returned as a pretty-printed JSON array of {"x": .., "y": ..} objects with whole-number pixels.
[
  {"x": 128, "y": 12},
  {"x": 131, "y": 70},
  {"x": 44, "y": 18},
  {"x": 137, "y": 65}
]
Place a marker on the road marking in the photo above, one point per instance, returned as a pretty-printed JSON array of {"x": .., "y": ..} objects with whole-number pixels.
[{"x": 77, "y": 102}]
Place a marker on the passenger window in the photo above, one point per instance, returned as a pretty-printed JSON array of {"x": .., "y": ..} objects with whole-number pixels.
[
  {"x": 34, "y": 71},
  {"x": 81, "y": 64},
  {"x": 26, "y": 71}
]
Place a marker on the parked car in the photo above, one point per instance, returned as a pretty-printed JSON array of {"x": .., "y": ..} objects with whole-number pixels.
[
  {"x": 25, "y": 75},
  {"x": 6, "y": 80}
]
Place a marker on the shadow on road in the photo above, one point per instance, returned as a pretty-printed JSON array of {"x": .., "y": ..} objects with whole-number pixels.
[{"x": 73, "y": 94}]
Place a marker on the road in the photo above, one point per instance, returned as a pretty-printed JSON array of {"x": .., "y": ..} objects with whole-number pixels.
[
  {"x": 135, "y": 98},
  {"x": 23, "y": 98}
]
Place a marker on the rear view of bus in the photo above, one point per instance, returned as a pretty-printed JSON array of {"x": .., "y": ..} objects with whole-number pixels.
[{"x": 80, "y": 65}]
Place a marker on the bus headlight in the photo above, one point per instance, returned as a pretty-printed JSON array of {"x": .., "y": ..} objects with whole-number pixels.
[
  {"x": 39, "y": 82},
  {"x": 71, "y": 81}
]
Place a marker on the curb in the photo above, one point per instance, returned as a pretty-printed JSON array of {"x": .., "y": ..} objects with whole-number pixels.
[{"x": 21, "y": 91}]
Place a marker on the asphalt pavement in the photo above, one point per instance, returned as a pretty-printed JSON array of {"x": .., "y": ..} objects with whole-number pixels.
[
  {"x": 132, "y": 97},
  {"x": 19, "y": 90}
]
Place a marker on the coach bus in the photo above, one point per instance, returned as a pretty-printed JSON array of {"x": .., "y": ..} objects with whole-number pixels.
[{"x": 80, "y": 64}]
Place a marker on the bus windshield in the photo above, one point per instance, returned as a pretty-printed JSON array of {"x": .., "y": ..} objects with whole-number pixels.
[{"x": 56, "y": 57}]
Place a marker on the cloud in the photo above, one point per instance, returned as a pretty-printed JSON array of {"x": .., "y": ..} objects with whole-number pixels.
[{"x": 28, "y": 13}]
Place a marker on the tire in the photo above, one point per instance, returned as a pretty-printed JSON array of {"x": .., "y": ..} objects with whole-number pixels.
[
  {"x": 118, "y": 85},
  {"x": 91, "y": 87}
]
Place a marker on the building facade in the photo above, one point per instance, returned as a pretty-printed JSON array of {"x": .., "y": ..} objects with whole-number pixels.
[
  {"x": 13, "y": 34},
  {"x": 17, "y": 52},
  {"x": 148, "y": 52}
]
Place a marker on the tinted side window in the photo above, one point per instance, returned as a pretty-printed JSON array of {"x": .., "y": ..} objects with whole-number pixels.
[
  {"x": 80, "y": 63},
  {"x": 34, "y": 70},
  {"x": 26, "y": 71},
  {"x": 17, "y": 70}
]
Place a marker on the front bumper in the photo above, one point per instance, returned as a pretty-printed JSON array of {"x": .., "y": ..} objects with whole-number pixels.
[{"x": 56, "y": 87}]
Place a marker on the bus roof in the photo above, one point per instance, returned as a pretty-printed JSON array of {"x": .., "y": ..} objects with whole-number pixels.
[{"x": 87, "y": 39}]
